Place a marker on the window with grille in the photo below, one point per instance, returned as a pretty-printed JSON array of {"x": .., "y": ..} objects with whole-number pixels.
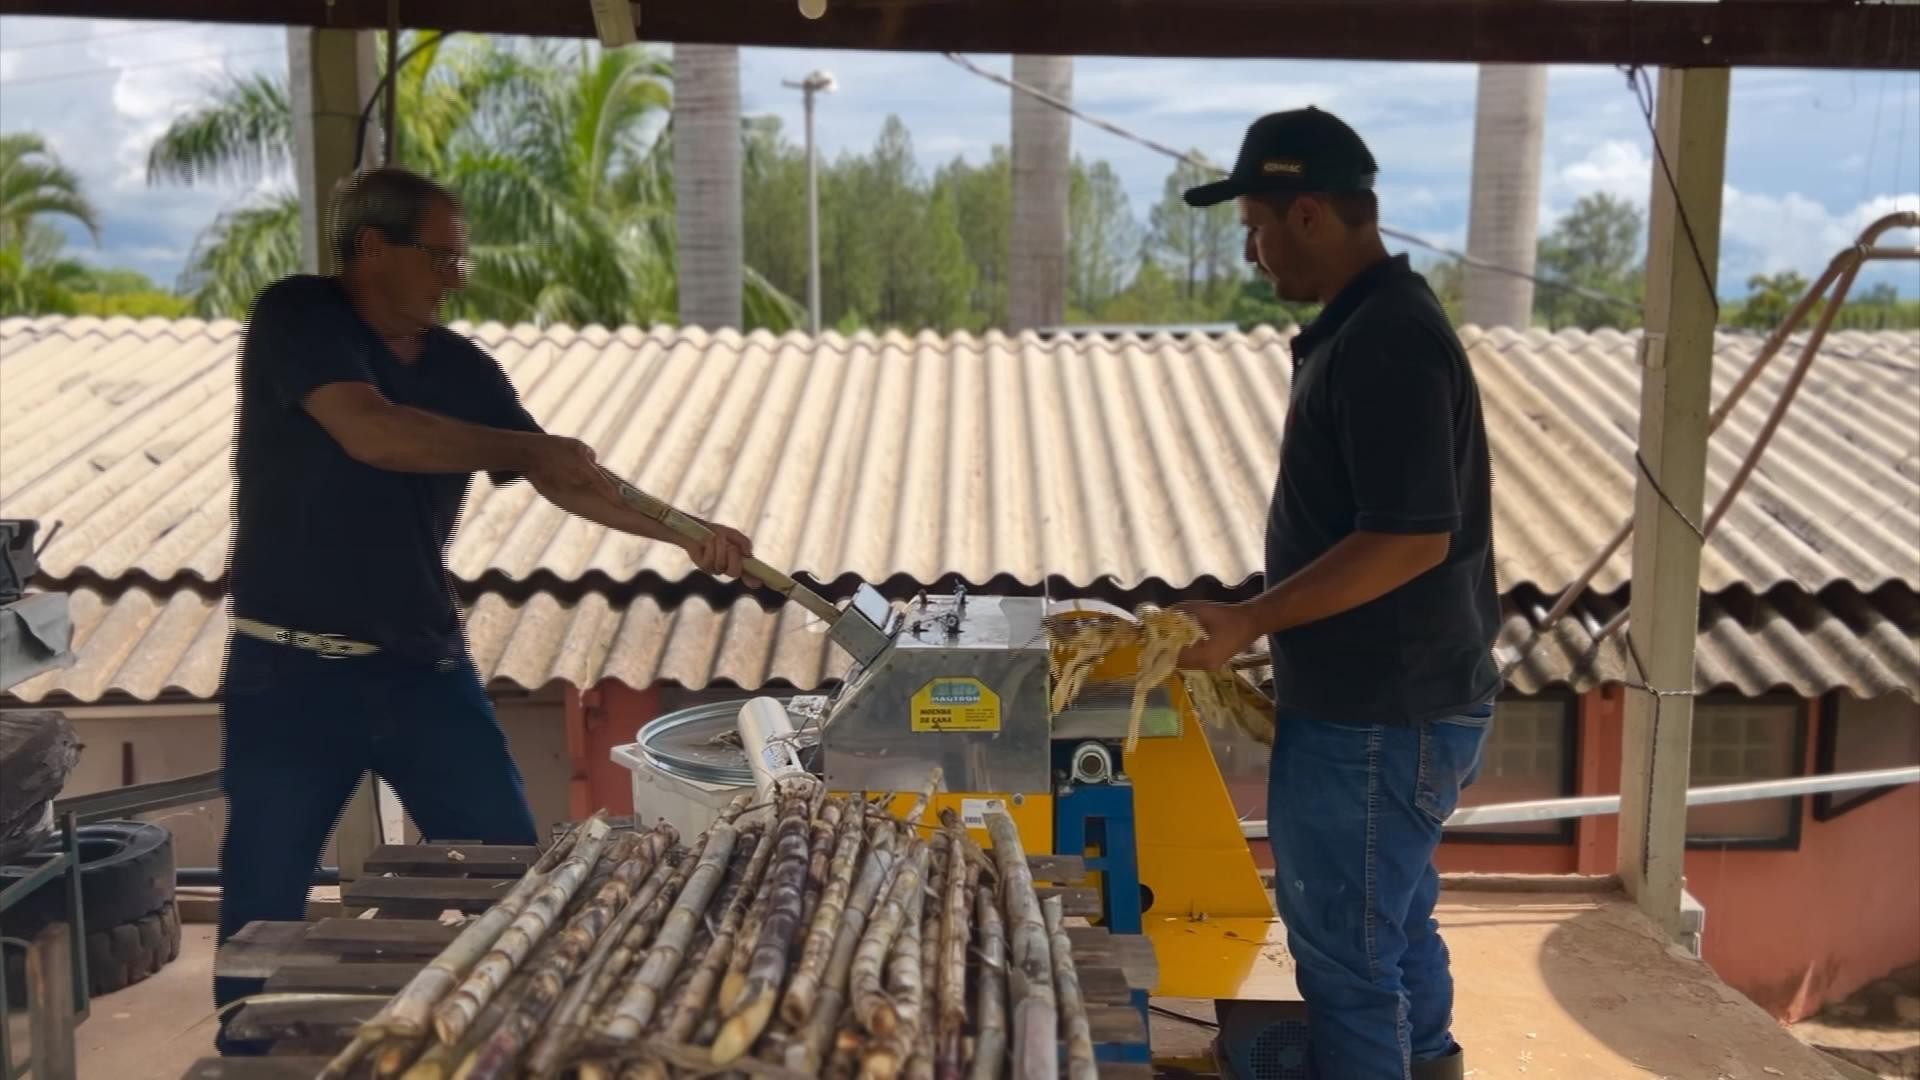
[
  {"x": 1737, "y": 740},
  {"x": 1860, "y": 734},
  {"x": 1528, "y": 755}
]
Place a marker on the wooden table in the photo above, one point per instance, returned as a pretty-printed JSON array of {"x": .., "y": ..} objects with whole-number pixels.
[{"x": 398, "y": 932}]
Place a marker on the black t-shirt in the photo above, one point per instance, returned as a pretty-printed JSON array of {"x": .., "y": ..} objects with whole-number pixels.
[
  {"x": 323, "y": 543},
  {"x": 1384, "y": 434}
]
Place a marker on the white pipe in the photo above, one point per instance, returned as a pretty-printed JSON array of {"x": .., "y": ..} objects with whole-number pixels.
[
  {"x": 1596, "y": 805},
  {"x": 766, "y": 735}
]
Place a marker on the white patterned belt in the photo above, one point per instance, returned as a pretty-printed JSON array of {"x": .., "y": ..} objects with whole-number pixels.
[{"x": 330, "y": 646}]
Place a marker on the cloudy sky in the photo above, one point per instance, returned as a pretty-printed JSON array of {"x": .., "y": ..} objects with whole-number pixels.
[{"x": 1812, "y": 156}]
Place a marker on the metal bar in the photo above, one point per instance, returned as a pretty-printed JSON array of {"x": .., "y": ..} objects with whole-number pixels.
[
  {"x": 46, "y": 872},
  {"x": 141, "y": 798},
  {"x": 1598, "y": 805},
  {"x": 76, "y": 916}
]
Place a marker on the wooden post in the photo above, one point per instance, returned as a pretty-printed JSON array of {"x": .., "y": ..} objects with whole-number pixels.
[
  {"x": 331, "y": 74},
  {"x": 1676, "y": 369},
  {"x": 50, "y": 978}
]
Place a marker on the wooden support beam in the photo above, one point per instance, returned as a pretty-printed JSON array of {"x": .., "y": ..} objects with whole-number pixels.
[
  {"x": 1683, "y": 257},
  {"x": 1761, "y": 33},
  {"x": 50, "y": 978},
  {"x": 331, "y": 75}
]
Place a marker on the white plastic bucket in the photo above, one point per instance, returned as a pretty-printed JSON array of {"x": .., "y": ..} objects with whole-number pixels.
[{"x": 690, "y": 806}]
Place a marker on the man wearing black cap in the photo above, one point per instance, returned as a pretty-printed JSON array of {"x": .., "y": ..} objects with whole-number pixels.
[{"x": 1380, "y": 604}]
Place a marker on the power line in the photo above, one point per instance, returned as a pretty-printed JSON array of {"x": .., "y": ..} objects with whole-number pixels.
[
  {"x": 82, "y": 73},
  {"x": 1207, "y": 166}
]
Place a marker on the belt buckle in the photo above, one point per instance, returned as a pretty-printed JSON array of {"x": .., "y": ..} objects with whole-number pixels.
[{"x": 328, "y": 650}]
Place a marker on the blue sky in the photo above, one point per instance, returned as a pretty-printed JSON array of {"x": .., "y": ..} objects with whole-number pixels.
[{"x": 1812, "y": 156}]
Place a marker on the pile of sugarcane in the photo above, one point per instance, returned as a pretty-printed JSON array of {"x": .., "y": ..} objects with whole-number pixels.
[{"x": 805, "y": 936}]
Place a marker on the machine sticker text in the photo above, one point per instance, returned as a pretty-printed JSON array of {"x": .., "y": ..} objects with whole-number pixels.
[{"x": 956, "y": 705}]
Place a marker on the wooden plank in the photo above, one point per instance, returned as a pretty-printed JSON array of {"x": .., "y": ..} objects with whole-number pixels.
[
  {"x": 50, "y": 978},
  {"x": 261, "y": 948},
  {"x": 1776, "y": 33},
  {"x": 424, "y": 897},
  {"x": 272, "y": 1067},
  {"x": 1075, "y": 900},
  {"x": 1061, "y": 869},
  {"x": 275, "y": 1020},
  {"x": 1104, "y": 985},
  {"x": 393, "y": 938},
  {"x": 442, "y": 860},
  {"x": 1132, "y": 1070},
  {"x": 1116, "y": 1024},
  {"x": 339, "y": 978}
]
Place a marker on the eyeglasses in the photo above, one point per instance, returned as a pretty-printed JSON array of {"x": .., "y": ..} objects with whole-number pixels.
[{"x": 447, "y": 261}]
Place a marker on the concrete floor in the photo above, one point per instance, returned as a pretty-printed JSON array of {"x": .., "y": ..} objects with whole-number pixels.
[{"x": 1550, "y": 987}]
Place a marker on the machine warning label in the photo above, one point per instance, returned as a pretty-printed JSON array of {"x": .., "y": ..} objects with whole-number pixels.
[
  {"x": 956, "y": 705},
  {"x": 973, "y": 812}
]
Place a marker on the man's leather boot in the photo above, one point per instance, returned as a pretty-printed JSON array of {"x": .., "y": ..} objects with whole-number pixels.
[{"x": 1451, "y": 1067}]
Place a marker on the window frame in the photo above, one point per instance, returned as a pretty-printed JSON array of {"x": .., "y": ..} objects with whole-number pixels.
[
  {"x": 1796, "y": 813},
  {"x": 1831, "y": 805},
  {"x": 1566, "y": 830}
]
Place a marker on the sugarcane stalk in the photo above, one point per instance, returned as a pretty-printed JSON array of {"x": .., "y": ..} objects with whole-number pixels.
[
  {"x": 407, "y": 1012},
  {"x": 646, "y": 868},
  {"x": 817, "y": 1037},
  {"x": 395, "y": 1054},
  {"x": 871, "y": 1006},
  {"x": 1073, "y": 1008},
  {"x": 1030, "y": 976},
  {"x": 955, "y": 935},
  {"x": 885, "y": 1054},
  {"x": 457, "y": 1012},
  {"x": 597, "y": 1010},
  {"x": 917, "y": 1050},
  {"x": 643, "y": 993},
  {"x": 734, "y": 982},
  {"x": 797, "y": 1005},
  {"x": 826, "y": 833},
  {"x": 442, "y": 1060},
  {"x": 925, "y": 798},
  {"x": 690, "y": 1004},
  {"x": 990, "y": 1008},
  {"x": 549, "y": 976},
  {"x": 766, "y": 969}
]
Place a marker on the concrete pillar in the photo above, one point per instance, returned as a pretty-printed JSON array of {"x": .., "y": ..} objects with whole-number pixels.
[
  {"x": 706, "y": 182},
  {"x": 1676, "y": 369},
  {"x": 331, "y": 75},
  {"x": 1509, "y": 123},
  {"x": 1042, "y": 161}
]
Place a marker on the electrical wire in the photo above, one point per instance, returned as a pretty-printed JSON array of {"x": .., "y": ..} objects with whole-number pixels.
[
  {"x": 1642, "y": 89},
  {"x": 1201, "y": 163}
]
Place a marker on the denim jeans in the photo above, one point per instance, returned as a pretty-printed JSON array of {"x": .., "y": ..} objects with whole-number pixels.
[
  {"x": 1354, "y": 815},
  {"x": 298, "y": 730}
]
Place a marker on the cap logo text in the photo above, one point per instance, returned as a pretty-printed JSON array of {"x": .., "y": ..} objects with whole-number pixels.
[{"x": 1281, "y": 167}]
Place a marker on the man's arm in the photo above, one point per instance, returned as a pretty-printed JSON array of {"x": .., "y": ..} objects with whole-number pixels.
[{"x": 400, "y": 438}]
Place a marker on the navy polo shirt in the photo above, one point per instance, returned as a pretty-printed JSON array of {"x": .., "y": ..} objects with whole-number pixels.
[
  {"x": 323, "y": 543},
  {"x": 1384, "y": 434}
]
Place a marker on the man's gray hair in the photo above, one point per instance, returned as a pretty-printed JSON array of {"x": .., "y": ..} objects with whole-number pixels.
[{"x": 391, "y": 201}]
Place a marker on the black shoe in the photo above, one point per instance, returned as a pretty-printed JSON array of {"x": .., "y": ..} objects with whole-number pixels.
[{"x": 1453, "y": 1066}]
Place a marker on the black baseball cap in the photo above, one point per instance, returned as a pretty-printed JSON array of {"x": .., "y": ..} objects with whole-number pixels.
[{"x": 1298, "y": 150}]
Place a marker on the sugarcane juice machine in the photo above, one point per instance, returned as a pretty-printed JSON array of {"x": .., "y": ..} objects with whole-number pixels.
[{"x": 961, "y": 682}]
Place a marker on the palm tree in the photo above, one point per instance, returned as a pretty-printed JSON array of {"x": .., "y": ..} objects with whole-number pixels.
[
  {"x": 556, "y": 153},
  {"x": 33, "y": 184}
]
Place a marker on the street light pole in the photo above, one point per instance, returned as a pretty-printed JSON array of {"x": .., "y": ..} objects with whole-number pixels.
[{"x": 817, "y": 82}]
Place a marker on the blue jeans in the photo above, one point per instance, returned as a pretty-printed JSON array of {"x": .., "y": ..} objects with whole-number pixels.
[
  {"x": 298, "y": 730},
  {"x": 1354, "y": 815}
]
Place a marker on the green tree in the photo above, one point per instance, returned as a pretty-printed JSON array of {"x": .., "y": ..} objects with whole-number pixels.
[
  {"x": 35, "y": 277},
  {"x": 34, "y": 185},
  {"x": 1596, "y": 245},
  {"x": 1770, "y": 297},
  {"x": 1201, "y": 247},
  {"x": 556, "y": 151},
  {"x": 982, "y": 199},
  {"x": 1254, "y": 304},
  {"x": 109, "y": 292},
  {"x": 1102, "y": 236}
]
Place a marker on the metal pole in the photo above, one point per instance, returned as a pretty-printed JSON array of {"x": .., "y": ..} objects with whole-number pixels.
[{"x": 813, "y": 219}]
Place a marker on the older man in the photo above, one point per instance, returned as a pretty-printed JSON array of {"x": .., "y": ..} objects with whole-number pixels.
[
  {"x": 1380, "y": 603},
  {"x": 362, "y": 420}
]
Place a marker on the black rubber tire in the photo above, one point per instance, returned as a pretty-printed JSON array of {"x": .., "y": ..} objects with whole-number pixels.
[
  {"x": 132, "y": 951},
  {"x": 126, "y": 874},
  {"x": 117, "y": 956}
]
